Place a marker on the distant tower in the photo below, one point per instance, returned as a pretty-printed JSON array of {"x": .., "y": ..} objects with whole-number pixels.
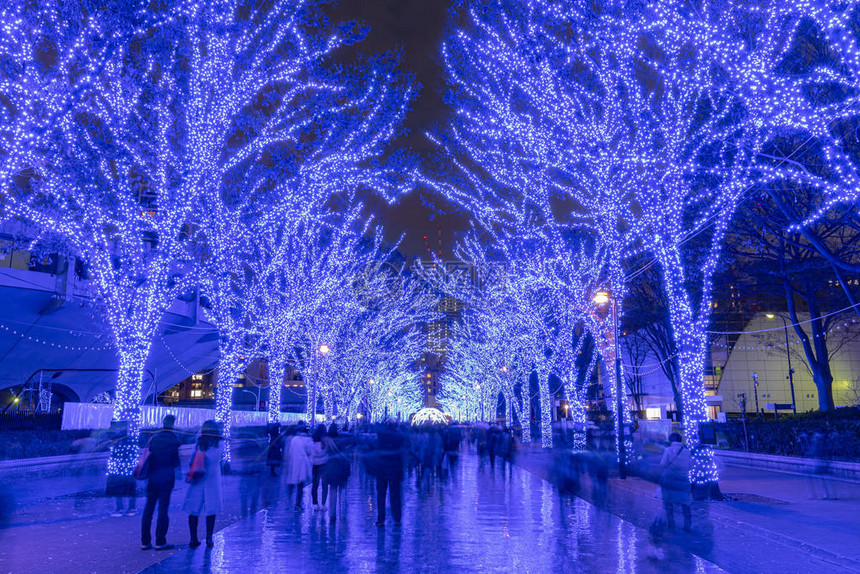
[
  {"x": 439, "y": 233},
  {"x": 438, "y": 253},
  {"x": 427, "y": 247}
]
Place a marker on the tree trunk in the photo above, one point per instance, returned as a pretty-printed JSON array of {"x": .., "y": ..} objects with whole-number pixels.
[
  {"x": 129, "y": 385},
  {"x": 311, "y": 400},
  {"x": 691, "y": 341},
  {"x": 545, "y": 407},
  {"x": 327, "y": 407},
  {"x": 824, "y": 385},
  {"x": 817, "y": 355},
  {"x": 695, "y": 410},
  {"x": 577, "y": 415},
  {"x": 524, "y": 415},
  {"x": 229, "y": 369},
  {"x": 277, "y": 374}
]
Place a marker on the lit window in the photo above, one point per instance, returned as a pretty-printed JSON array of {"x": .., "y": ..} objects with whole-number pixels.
[{"x": 196, "y": 394}]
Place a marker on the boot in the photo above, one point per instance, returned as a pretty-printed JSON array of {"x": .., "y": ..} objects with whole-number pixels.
[
  {"x": 192, "y": 527},
  {"x": 210, "y": 529}
]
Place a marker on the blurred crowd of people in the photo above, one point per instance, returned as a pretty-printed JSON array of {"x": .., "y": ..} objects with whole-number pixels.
[
  {"x": 300, "y": 458},
  {"x": 322, "y": 459}
]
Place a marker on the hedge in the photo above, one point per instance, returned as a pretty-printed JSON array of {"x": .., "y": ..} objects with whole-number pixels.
[{"x": 792, "y": 435}]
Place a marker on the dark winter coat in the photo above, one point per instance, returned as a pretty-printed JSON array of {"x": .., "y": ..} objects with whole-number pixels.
[
  {"x": 163, "y": 460},
  {"x": 390, "y": 462}
]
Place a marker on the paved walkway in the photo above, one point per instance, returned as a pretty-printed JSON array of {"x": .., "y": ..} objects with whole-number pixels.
[
  {"x": 61, "y": 522},
  {"x": 768, "y": 523},
  {"x": 474, "y": 519}
]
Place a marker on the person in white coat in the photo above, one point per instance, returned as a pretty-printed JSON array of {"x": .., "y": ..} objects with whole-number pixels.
[
  {"x": 204, "y": 494},
  {"x": 299, "y": 464}
]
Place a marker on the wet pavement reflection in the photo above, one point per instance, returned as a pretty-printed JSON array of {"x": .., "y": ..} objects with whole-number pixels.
[{"x": 472, "y": 519}]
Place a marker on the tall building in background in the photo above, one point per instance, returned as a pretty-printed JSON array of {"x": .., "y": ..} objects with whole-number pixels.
[{"x": 439, "y": 331}]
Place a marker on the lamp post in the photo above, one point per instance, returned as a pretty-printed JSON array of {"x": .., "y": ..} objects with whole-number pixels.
[
  {"x": 600, "y": 298},
  {"x": 754, "y": 376},
  {"x": 256, "y": 397},
  {"x": 323, "y": 349},
  {"x": 787, "y": 356}
]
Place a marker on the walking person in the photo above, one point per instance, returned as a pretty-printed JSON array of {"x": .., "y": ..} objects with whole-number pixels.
[
  {"x": 421, "y": 450},
  {"x": 163, "y": 462},
  {"x": 335, "y": 471},
  {"x": 204, "y": 494},
  {"x": 299, "y": 463},
  {"x": 437, "y": 452},
  {"x": 492, "y": 444},
  {"x": 251, "y": 453},
  {"x": 481, "y": 431},
  {"x": 675, "y": 481},
  {"x": 318, "y": 459},
  {"x": 818, "y": 452},
  {"x": 505, "y": 449},
  {"x": 275, "y": 452},
  {"x": 389, "y": 474},
  {"x": 451, "y": 442}
]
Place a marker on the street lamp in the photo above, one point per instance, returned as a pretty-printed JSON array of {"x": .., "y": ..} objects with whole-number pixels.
[
  {"x": 788, "y": 356},
  {"x": 601, "y": 298},
  {"x": 754, "y": 376},
  {"x": 256, "y": 397}
]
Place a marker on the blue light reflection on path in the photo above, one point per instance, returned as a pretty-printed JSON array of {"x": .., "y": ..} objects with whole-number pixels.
[{"x": 475, "y": 521}]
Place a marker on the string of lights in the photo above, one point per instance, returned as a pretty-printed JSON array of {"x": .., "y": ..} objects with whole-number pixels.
[{"x": 48, "y": 342}]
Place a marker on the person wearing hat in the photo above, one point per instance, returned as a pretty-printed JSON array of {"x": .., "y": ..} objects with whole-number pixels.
[{"x": 204, "y": 494}]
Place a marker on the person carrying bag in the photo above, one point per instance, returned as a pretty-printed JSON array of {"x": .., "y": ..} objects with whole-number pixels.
[{"x": 204, "y": 475}]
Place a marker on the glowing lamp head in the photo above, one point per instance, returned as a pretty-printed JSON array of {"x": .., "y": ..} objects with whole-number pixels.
[
  {"x": 324, "y": 349},
  {"x": 770, "y": 315},
  {"x": 602, "y": 297}
]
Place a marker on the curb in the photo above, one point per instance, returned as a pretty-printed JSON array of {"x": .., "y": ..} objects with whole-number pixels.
[
  {"x": 840, "y": 470},
  {"x": 53, "y": 462}
]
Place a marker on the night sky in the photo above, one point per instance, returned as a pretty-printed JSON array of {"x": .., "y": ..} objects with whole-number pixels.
[{"x": 415, "y": 28}]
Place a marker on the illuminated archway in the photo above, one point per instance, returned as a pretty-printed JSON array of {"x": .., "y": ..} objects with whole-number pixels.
[{"x": 429, "y": 416}]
